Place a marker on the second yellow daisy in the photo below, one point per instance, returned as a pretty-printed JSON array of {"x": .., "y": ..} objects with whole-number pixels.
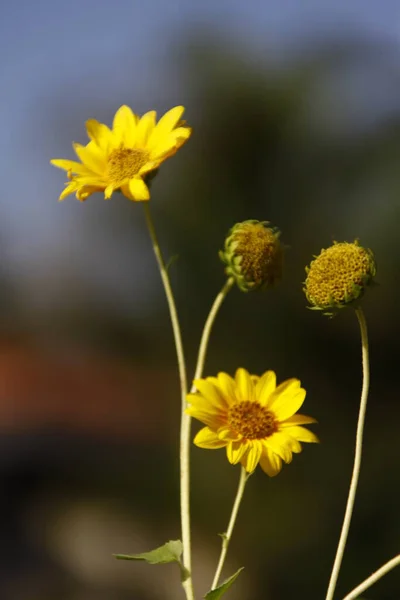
[{"x": 252, "y": 417}]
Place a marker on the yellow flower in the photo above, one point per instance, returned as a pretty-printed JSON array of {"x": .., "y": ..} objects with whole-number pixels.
[
  {"x": 339, "y": 276},
  {"x": 253, "y": 255},
  {"x": 252, "y": 417},
  {"x": 123, "y": 157}
]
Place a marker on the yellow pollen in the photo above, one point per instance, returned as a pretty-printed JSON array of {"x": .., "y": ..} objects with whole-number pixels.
[
  {"x": 339, "y": 274},
  {"x": 252, "y": 420},
  {"x": 125, "y": 163},
  {"x": 261, "y": 253}
]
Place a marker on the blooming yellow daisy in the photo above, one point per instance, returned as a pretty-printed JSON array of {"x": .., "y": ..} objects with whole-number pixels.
[
  {"x": 252, "y": 417},
  {"x": 122, "y": 157}
]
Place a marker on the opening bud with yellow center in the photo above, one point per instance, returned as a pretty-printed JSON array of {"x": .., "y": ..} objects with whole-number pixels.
[
  {"x": 253, "y": 255},
  {"x": 339, "y": 276}
]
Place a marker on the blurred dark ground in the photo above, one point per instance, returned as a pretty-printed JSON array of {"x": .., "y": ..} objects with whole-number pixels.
[{"x": 89, "y": 399}]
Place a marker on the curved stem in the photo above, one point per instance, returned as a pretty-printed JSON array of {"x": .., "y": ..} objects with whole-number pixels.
[
  {"x": 226, "y": 538},
  {"x": 357, "y": 458},
  {"x": 391, "y": 564},
  {"x": 185, "y": 420},
  {"x": 205, "y": 336}
]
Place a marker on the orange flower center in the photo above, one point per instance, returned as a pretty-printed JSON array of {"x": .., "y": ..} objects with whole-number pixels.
[
  {"x": 252, "y": 420},
  {"x": 125, "y": 163}
]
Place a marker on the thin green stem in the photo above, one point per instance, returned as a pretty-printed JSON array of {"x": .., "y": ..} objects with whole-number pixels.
[
  {"x": 357, "y": 457},
  {"x": 185, "y": 420},
  {"x": 228, "y": 535},
  {"x": 391, "y": 564},
  {"x": 205, "y": 336}
]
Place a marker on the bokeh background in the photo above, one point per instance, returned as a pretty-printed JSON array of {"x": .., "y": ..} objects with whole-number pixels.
[{"x": 296, "y": 113}]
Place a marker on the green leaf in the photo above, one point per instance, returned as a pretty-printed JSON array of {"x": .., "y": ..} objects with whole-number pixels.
[
  {"x": 169, "y": 552},
  {"x": 221, "y": 589}
]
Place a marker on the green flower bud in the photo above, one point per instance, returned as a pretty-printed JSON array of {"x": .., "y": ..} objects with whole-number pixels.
[
  {"x": 339, "y": 276},
  {"x": 253, "y": 255}
]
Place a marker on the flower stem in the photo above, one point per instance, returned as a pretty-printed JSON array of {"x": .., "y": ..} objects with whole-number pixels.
[
  {"x": 205, "y": 336},
  {"x": 373, "y": 578},
  {"x": 357, "y": 457},
  {"x": 228, "y": 535},
  {"x": 185, "y": 419}
]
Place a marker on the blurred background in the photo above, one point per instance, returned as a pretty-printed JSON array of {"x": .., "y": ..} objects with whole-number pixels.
[{"x": 296, "y": 114}]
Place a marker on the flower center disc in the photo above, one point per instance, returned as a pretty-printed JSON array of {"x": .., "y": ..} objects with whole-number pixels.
[
  {"x": 335, "y": 275},
  {"x": 261, "y": 253},
  {"x": 125, "y": 163},
  {"x": 252, "y": 420}
]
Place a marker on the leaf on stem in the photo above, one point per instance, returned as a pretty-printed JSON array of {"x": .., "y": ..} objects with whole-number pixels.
[
  {"x": 169, "y": 552},
  {"x": 221, "y": 589}
]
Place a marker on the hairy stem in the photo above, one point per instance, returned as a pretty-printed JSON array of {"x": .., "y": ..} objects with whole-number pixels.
[
  {"x": 228, "y": 535},
  {"x": 205, "y": 336},
  {"x": 391, "y": 564},
  {"x": 357, "y": 457},
  {"x": 187, "y": 583}
]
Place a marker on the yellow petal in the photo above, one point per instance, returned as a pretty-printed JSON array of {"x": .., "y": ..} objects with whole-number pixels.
[
  {"x": 286, "y": 387},
  {"x": 214, "y": 420},
  {"x": 228, "y": 387},
  {"x": 126, "y": 192},
  {"x": 210, "y": 393},
  {"x": 208, "y": 439},
  {"x": 265, "y": 386},
  {"x": 289, "y": 405},
  {"x": 151, "y": 165},
  {"x": 108, "y": 192},
  {"x": 145, "y": 128},
  {"x": 294, "y": 444},
  {"x": 83, "y": 180},
  {"x": 235, "y": 451},
  {"x": 302, "y": 434},
  {"x": 214, "y": 381},
  {"x": 270, "y": 463},
  {"x": 286, "y": 399},
  {"x": 297, "y": 420},
  {"x": 70, "y": 189},
  {"x": 197, "y": 400},
  {"x": 89, "y": 155},
  {"x": 167, "y": 123},
  {"x": 124, "y": 127},
  {"x": 181, "y": 135},
  {"x": 139, "y": 189},
  {"x": 84, "y": 192},
  {"x": 168, "y": 145},
  {"x": 245, "y": 388},
  {"x": 226, "y": 433},
  {"x": 71, "y": 165},
  {"x": 100, "y": 134},
  {"x": 281, "y": 445},
  {"x": 253, "y": 455}
]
